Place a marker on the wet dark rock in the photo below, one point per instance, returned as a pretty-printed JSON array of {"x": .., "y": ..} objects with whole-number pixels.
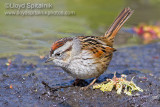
[{"x": 21, "y": 85}]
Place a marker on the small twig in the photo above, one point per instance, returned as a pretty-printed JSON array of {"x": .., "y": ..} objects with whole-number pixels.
[
  {"x": 55, "y": 88},
  {"x": 48, "y": 87}
]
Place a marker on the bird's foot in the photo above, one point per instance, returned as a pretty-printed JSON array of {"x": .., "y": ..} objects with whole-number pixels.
[{"x": 86, "y": 87}]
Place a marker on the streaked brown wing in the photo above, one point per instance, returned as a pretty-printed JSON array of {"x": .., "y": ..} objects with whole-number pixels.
[{"x": 96, "y": 46}]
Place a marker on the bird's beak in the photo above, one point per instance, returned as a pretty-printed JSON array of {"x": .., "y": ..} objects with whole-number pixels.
[{"x": 49, "y": 59}]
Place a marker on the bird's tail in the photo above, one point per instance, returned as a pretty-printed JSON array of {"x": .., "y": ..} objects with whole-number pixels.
[{"x": 117, "y": 24}]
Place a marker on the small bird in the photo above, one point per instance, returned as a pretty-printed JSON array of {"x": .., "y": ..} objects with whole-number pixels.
[{"x": 86, "y": 57}]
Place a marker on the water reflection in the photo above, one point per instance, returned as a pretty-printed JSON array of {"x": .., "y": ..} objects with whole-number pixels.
[{"x": 33, "y": 35}]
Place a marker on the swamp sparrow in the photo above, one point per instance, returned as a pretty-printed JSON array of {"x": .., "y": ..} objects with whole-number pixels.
[{"x": 85, "y": 57}]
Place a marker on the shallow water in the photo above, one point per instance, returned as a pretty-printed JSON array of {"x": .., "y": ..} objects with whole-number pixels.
[{"x": 34, "y": 34}]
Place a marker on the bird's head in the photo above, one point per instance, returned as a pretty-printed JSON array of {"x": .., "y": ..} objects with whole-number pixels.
[{"x": 60, "y": 52}]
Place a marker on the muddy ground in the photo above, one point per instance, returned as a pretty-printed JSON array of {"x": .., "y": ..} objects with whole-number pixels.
[{"x": 21, "y": 82}]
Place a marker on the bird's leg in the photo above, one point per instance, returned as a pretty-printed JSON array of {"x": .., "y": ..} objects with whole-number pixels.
[{"x": 86, "y": 87}]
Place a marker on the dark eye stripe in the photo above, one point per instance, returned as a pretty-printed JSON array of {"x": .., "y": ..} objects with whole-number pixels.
[
  {"x": 57, "y": 54},
  {"x": 68, "y": 49}
]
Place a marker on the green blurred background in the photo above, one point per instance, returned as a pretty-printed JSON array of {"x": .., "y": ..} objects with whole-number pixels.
[{"x": 33, "y": 35}]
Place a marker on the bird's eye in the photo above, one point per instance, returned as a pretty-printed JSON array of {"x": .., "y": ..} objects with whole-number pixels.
[{"x": 57, "y": 54}]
